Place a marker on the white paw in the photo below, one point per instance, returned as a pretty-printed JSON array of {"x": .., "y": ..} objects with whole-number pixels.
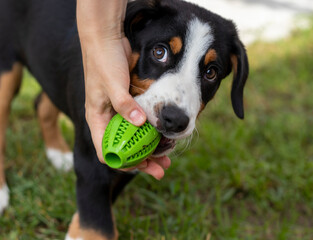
[
  {"x": 67, "y": 237},
  {"x": 60, "y": 160},
  {"x": 4, "y": 198}
]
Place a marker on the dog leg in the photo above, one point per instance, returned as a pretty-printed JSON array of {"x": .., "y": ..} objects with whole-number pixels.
[
  {"x": 96, "y": 216},
  {"x": 57, "y": 150},
  {"x": 9, "y": 85},
  {"x": 117, "y": 184},
  {"x": 76, "y": 233},
  {"x": 94, "y": 186}
]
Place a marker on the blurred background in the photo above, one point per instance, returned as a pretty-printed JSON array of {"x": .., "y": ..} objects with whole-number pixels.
[
  {"x": 250, "y": 179},
  {"x": 262, "y": 19}
]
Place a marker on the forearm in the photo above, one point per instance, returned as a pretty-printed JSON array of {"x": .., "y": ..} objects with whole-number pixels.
[
  {"x": 98, "y": 19},
  {"x": 106, "y": 53}
]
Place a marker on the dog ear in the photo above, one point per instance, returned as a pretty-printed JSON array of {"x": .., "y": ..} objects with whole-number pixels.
[
  {"x": 138, "y": 15},
  {"x": 240, "y": 64},
  {"x": 141, "y": 13}
]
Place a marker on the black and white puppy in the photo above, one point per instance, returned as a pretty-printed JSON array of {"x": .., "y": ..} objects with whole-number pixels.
[{"x": 181, "y": 53}]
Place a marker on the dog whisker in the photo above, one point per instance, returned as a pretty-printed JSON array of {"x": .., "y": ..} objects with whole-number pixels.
[
  {"x": 141, "y": 89},
  {"x": 187, "y": 143}
]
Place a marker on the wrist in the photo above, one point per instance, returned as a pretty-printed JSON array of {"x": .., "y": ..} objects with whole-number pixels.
[{"x": 98, "y": 19}]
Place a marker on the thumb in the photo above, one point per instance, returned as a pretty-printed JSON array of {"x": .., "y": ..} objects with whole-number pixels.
[{"x": 124, "y": 104}]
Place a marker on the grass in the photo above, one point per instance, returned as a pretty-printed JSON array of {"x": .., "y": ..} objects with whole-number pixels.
[{"x": 250, "y": 179}]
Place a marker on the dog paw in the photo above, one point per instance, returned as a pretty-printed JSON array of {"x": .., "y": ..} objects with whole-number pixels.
[
  {"x": 60, "y": 160},
  {"x": 4, "y": 198},
  {"x": 67, "y": 237}
]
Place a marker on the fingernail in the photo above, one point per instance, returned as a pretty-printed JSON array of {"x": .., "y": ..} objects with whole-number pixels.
[{"x": 136, "y": 117}]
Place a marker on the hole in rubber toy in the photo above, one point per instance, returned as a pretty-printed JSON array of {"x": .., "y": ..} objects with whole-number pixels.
[{"x": 113, "y": 160}]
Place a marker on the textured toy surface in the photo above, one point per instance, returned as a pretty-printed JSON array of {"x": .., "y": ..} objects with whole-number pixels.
[{"x": 126, "y": 145}]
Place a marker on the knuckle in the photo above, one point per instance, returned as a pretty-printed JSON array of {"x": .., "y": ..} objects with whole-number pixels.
[{"x": 121, "y": 102}]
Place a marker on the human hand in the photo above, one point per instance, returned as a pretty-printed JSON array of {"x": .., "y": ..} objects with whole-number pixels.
[{"x": 106, "y": 56}]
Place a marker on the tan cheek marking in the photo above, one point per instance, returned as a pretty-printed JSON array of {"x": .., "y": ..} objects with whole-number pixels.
[
  {"x": 139, "y": 86},
  {"x": 176, "y": 44},
  {"x": 210, "y": 56},
  {"x": 74, "y": 229},
  {"x": 201, "y": 109},
  {"x": 133, "y": 61}
]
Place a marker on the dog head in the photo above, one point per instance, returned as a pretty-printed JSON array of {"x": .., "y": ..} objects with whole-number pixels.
[{"x": 181, "y": 53}]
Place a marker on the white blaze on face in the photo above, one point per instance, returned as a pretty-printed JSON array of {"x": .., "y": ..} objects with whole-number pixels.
[{"x": 181, "y": 87}]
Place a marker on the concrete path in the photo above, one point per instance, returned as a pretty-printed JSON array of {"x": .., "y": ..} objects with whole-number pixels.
[{"x": 265, "y": 20}]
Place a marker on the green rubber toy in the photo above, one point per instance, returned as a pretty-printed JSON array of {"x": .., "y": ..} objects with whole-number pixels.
[{"x": 126, "y": 145}]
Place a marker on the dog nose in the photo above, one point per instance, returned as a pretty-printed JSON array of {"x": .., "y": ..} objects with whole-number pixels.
[{"x": 173, "y": 119}]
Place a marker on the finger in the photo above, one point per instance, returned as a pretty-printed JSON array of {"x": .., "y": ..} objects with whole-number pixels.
[
  {"x": 97, "y": 125},
  {"x": 154, "y": 170},
  {"x": 140, "y": 166},
  {"x": 127, "y": 48},
  {"x": 164, "y": 162},
  {"x": 125, "y": 105}
]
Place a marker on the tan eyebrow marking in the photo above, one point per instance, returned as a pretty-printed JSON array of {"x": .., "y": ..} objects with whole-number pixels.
[
  {"x": 210, "y": 56},
  {"x": 176, "y": 44}
]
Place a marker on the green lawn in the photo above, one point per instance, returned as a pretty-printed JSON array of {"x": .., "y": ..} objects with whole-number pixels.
[{"x": 250, "y": 179}]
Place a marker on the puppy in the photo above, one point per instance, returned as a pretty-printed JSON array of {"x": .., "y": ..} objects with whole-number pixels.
[{"x": 181, "y": 53}]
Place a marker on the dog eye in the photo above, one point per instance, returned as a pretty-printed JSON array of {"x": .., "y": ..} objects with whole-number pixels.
[
  {"x": 211, "y": 74},
  {"x": 160, "y": 53}
]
